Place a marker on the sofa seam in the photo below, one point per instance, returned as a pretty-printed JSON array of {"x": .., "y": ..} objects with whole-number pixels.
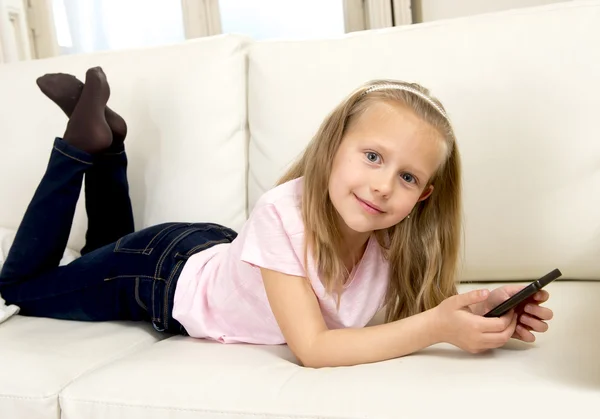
[
  {"x": 210, "y": 411},
  {"x": 98, "y": 365},
  {"x": 64, "y": 385},
  {"x": 16, "y": 397}
]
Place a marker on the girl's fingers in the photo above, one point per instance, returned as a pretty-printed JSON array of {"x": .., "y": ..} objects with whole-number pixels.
[
  {"x": 535, "y": 324},
  {"x": 524, "y": 334},
  {"x": 542, "y": 313},
  {"x": 496, "y": 340}
]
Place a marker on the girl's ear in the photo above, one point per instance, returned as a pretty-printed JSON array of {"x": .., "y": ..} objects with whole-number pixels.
[{"x": 426, "y": 193}]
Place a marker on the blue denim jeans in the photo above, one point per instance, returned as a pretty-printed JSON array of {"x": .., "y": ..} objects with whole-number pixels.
[{"x": 121, "y": 274}]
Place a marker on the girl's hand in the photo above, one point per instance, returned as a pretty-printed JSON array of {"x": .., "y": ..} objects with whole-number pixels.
[
  {"x": 459, "y": 326},
  {"x": 531, "y": 316}
]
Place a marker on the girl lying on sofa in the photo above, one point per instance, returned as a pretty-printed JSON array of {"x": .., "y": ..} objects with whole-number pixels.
[{"x": 367, "y": 219}]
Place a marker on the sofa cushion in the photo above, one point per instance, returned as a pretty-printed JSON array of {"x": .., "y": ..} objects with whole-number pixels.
[
  {"x": 183, "y": 378},
  {"x": 524, "y": 98},
  {"x": 185, "y": 106},
  {"x": 40, "y": 357}
]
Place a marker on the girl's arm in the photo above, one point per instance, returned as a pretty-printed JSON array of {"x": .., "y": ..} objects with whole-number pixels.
[{"x": 298, "y": 314}]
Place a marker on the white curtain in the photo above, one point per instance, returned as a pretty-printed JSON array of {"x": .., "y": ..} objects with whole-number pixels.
[
  {"x": 387, "y": 13},
  {"x": 290, "y": 19},
  {"x": 84, "y": 26}
]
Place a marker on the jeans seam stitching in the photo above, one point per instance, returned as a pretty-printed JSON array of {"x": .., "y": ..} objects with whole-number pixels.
[
  {"x": 166, "y": 296},
  {"x": 71, "y": 157},
  {"x": 168, "y": 249},
  {"x": 128, "y": 276},
  {"x": 154, "y": 319},
  {"x": 154, "y": 238},
  {"x": 135, "y": 251},
  {"x": 147, "y": 250},
  {"x": 137, "y": 294}
]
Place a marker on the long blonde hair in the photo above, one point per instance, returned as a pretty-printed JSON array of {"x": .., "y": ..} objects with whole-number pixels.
[{"x": 423, "y": 249}]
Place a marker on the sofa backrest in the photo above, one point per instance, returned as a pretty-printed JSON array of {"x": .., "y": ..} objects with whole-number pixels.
[
  {"x": 186, "y": 110},
  {"x": 523, "y": 91},
  {"x": 521, "y": 87}
]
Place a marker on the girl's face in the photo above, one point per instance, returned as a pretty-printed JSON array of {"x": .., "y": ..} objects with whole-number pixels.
[{"x": 382, "y": 167}]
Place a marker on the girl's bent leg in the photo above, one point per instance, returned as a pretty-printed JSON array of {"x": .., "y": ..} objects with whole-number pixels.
[
  {"x": 44, "y": 231},
  {"x": 107, "y": 201},
  {"x": 42, "y": 236}
]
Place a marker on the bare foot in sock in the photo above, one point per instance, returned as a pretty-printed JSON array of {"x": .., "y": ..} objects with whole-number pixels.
[
  {"x": 87, "y": 128},
  {"x": 65, "y": 90}
]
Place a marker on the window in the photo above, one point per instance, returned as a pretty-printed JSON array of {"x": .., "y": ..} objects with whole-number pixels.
[
  {"x": 96, "y": 25},
  {"x": 292, "y": 19}
]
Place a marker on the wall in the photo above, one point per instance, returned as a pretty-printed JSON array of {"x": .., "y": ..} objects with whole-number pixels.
[{"x": 428, "y": 10}]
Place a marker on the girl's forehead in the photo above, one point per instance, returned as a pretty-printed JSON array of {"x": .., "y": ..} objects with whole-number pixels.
[{"x": 394, "y": 121}]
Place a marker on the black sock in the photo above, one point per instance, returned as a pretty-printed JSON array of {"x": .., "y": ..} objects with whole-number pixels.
[
  {"x": 87, "y": 128},
  {"x": 65, "y": 90}
]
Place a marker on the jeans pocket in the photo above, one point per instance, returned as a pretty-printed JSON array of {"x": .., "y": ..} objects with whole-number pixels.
[{"x": 144, "y": 241}]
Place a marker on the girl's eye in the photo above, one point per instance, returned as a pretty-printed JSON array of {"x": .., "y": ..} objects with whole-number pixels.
[
  {"x": 372, "y": 157},
  {"x": 407, "y": 177}
]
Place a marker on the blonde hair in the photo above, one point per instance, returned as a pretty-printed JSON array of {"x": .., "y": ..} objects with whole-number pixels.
[{"x": 423, "y": 249}]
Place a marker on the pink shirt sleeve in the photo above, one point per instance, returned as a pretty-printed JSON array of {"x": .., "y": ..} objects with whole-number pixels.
[{"x": 268, "y": 245}]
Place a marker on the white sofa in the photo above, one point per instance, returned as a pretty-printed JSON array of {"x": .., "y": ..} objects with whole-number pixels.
[{"x": 214, "y": 122}]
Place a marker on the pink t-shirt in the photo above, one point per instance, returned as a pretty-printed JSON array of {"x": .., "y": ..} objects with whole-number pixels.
[{"x": 220, "y": 294}]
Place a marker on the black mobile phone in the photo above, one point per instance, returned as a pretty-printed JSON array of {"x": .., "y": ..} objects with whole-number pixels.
[{"x": 525, "y": 293}]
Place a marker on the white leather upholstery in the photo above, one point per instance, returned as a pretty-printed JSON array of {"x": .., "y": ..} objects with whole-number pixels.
[
  {"x": 40, "y": 357},
  {"x": 185, "y": 378},
  {"x": 523, "y": 91}
]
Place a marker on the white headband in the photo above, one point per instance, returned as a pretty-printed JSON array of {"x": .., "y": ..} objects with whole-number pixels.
[{"x": 407, "y": 89}]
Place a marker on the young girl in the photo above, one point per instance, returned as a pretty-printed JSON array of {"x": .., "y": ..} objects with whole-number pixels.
[{"x": 368, "y": 218}]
